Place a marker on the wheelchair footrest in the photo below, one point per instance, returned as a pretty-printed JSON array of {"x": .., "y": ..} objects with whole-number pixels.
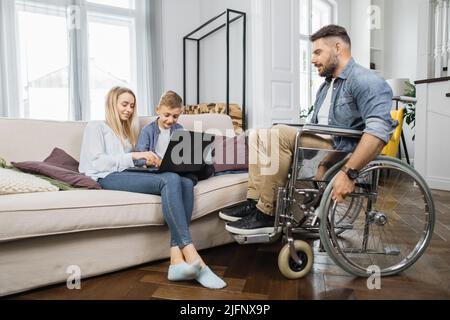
[{"x": 256, "y": 238}]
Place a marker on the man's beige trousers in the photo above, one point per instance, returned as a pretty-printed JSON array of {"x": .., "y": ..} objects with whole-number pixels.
[{"x": 270, "y": 159}]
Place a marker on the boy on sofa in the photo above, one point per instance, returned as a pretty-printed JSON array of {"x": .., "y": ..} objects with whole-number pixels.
[{"x": 155, "y": 137}]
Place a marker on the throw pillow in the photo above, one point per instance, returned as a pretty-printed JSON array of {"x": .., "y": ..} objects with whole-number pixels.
[
  {"x": 72, "y": 178},
  {"x": 12, "y": 182},
  {"x": 61, "y": 159},
  {"x": 60, "y": 166},
  {"x": 230, "y": 154}
]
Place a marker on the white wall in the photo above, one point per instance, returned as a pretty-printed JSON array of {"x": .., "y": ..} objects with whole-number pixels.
[
  {"x": 401, "y": 38},
  {"x": 213, "y": 64},
  {"x": 401, "y": 47},
  {"x": 178, "y": 17},
  {"x": 359, "y": 31},
  {"x": 344, "y": 14}
]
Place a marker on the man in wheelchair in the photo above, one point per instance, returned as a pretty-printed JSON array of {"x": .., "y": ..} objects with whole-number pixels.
[{"x": 351, "y": 97}]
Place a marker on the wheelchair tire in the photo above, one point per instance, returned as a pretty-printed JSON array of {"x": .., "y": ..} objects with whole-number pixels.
[
  {"x": 288, "y": 267},
  {"x": 396, "y": 226}
]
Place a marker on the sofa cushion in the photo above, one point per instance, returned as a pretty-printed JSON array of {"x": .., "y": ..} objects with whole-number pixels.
[
  {"x": 33, "y": 215},
  {"x": 13, "y": 182}
]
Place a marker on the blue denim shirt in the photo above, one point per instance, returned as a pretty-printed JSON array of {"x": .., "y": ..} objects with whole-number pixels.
[
  {"x": 361, "y": 100},
  {"x": 148, "y": 138}
]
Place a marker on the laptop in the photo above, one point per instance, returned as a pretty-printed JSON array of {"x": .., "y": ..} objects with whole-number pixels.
[{"x": 188, "y": 151}]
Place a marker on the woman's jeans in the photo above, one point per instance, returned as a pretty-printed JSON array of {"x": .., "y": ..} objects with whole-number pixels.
[{"x": 177, "y": 197}]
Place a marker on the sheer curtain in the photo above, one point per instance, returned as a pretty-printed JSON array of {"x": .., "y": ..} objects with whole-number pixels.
[
  {"x": 10, "y": 97},
  {"x": 59, "y": 58},
  {"x": 79, "y": 60}
]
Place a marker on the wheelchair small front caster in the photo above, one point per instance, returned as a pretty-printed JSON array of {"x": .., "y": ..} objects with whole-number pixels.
[{"x": 289, "y": 267}]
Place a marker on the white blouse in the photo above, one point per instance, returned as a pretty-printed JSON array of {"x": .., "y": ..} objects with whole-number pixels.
[{"x": 102, "y": 153}]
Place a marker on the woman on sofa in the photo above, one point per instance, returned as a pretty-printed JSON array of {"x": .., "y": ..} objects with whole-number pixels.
[{"x": 107, "y": 151}]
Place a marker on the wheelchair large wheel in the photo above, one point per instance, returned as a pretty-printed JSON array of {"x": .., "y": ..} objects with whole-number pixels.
[
  {"x": 291, "y": 269},
  {"x": 393, "y": 228}
]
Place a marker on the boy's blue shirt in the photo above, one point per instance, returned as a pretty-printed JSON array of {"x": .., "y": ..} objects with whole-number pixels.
[{"x": 148, "y": 138}]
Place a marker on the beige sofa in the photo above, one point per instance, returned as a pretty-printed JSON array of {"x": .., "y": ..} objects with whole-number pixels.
[{"x": 100, "y": 231}]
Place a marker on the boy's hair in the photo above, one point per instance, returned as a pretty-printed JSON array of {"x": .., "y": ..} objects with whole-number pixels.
[
  {"x": 171, "y": 100},
  {"x": 332, "y": 31}
]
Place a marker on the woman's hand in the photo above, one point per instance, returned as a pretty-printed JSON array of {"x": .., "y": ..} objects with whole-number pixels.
[{"x": 150, "y": 157}]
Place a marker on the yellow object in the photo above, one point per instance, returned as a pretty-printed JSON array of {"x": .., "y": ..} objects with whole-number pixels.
[{"x": 391, "y": 149}]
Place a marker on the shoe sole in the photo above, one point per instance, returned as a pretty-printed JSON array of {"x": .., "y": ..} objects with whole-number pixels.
[
  {"x": 226, "y": 217},
  {"x": 250, "y": 232}
]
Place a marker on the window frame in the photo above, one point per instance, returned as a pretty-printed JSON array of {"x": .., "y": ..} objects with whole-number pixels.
[
  {"x": 133, "y": 17},
  {"x": 305, "y": 37}
]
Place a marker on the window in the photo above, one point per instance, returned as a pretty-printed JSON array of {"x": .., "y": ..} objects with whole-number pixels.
[
  {"x": 110, "y": 59},
  {"x": 127, "y": 4},
  {"x": 44, "y": 60},
  {"x": 313, "y": 15},
  {"x": 52, "y": 55}
]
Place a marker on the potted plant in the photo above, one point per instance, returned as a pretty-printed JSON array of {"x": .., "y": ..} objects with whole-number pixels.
[
  {"x": 304, "y": 114},
  {"x": 410, "y": 112}
]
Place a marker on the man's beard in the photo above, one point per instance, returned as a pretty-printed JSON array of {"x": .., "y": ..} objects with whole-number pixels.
[{"x": 330, "y": 68}]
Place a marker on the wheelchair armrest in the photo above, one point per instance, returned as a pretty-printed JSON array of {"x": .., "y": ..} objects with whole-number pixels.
[{"x": 331, "y": 130}]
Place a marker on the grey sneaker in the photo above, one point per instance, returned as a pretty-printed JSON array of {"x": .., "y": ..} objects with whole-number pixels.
[{"x": 238, "y": 212}]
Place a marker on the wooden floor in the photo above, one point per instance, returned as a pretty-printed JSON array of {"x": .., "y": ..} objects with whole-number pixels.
[{"x": 251, "y": 272}]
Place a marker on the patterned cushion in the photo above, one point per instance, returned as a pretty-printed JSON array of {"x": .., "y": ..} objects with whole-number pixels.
[{"x": 12, "y": 181}]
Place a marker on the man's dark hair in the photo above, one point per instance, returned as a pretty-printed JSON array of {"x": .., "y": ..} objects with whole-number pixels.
[{"x": 332, "y": 31}]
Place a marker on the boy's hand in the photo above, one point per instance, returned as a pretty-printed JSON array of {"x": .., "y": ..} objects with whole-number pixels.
[{"x": 152, "y": 159}]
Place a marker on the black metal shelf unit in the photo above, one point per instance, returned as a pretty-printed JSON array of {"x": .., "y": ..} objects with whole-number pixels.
[{"x": 190, "y": 37}]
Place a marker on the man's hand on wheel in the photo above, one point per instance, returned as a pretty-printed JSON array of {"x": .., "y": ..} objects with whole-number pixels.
[{"x": 342, "y": 187}]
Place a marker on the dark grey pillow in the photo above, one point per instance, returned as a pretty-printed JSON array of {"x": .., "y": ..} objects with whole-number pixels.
[
  {"x": 61, "y": 159},
  {"x": 75, "y": 179},
  {"x": 59, "y": 166}
]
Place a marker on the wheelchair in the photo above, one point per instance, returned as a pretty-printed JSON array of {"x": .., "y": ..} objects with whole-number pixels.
[{"x": 385, "y": 225}]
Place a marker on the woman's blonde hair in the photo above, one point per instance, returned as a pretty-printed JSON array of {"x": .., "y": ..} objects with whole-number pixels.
[{"x": 123, "y": 129}]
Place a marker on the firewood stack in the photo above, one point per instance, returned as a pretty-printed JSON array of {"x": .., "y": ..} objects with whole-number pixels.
[{"x": 235, "y": 112}]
